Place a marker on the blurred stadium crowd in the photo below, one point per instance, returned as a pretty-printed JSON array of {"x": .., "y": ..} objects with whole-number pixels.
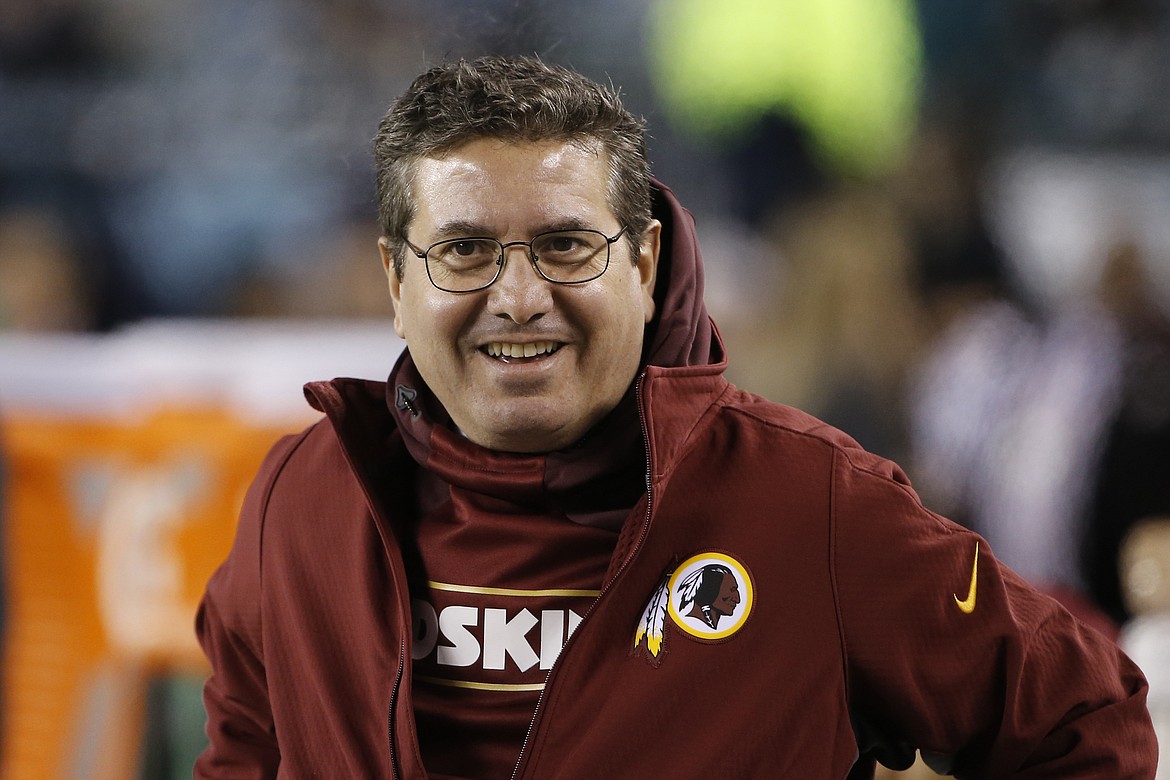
[{"x": 941, "y": 226}]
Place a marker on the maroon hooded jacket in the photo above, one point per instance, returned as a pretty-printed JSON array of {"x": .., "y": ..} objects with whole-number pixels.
[{"x": 778, "y": 602}]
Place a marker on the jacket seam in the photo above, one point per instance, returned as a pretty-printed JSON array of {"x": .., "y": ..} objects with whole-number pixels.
[
  {"x": 833, "y": 583},
  {"x": 262, "y": 521},
  {"x": 843, "y": 451}
]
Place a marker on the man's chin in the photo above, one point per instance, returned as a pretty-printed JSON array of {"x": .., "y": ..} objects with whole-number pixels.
[
  {"x": 523, "y": 442},
  {"x": 529, "y": 424},
  {"x": 523, "y": 434}
]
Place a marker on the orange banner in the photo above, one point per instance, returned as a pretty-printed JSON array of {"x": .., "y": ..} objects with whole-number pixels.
[{"x": 111, "y": 532}]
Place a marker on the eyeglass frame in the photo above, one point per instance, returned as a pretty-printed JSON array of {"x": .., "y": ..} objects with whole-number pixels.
[{"x": 502, "y": 260}]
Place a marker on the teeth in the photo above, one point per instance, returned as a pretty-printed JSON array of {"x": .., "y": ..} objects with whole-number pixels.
[{"x": 531, "y": 349}]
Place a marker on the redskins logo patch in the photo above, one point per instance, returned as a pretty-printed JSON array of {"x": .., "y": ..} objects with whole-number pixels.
[{"x": 709, "y": 596}]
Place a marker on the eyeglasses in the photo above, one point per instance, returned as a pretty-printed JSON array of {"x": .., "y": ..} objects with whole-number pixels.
[{"x": 462, "y": 265}]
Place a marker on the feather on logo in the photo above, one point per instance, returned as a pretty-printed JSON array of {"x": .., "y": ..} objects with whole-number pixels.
[{"x": 650, "y": 627}]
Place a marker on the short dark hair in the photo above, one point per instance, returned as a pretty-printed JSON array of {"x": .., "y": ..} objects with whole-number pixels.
[
  {"x": 510, "y": 99},
  {"x": 711, "y": 584}
]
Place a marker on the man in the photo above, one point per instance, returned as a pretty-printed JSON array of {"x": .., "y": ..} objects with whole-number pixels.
[{"x": 477, "y": 568}]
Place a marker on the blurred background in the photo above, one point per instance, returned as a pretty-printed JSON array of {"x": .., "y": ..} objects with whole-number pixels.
[{"x": 942, "y": 225}]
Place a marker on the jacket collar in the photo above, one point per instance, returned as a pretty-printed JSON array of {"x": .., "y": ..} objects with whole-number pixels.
[{"x": 675, "y": 401}]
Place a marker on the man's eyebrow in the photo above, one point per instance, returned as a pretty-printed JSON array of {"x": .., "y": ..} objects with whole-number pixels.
[
  {"x": 460, "y": 228},
  {"x": 564, "y": 223}
]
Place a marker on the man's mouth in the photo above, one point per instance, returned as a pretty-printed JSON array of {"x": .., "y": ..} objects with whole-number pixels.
[{"x": 507, "y": 349}]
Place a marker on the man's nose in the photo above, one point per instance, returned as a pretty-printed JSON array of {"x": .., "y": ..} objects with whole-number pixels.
[{"x": 519, "y": 293}]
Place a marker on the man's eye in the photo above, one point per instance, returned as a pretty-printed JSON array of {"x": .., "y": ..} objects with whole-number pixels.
[
  {"x": 467, "y": 248},
  {"x": 464, "y": 251},
  {"x": 565, "y": 247},
  {"x": 563, "y": 244}
]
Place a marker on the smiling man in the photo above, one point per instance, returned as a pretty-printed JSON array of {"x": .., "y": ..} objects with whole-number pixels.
[{"x": 496, "y": 563}]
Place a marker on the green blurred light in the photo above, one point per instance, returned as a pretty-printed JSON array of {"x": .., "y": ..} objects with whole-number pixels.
[{"x": 847, "y": 70}]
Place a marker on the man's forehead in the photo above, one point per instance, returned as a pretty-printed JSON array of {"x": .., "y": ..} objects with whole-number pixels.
[
  {"x": 497, "y": 184},
  {"x": 546, "y": 159}
]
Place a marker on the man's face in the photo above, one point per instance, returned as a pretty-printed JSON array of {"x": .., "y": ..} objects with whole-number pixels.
[
  {"x": 588, "y": 336},
  {"x": 728, "y": 598}
]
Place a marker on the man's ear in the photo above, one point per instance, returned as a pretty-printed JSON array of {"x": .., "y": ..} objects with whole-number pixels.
[
  {"x": 394, "y": 282},
  {"x": 648, "y": 265}
]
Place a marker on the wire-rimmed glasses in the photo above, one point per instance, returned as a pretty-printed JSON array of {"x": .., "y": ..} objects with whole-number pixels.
[{"x": 462, "y": 265}]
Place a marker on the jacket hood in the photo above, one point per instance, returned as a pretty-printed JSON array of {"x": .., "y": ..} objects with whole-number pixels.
[{"x": 681, "y": 333}]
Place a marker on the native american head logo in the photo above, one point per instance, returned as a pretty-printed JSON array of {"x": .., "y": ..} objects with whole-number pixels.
[
  {"x": 711, "y": 592},
  {"x": 708, "y": 596}
]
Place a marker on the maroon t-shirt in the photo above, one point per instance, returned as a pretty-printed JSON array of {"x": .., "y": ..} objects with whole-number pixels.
[{"x": 504, "y": 588}]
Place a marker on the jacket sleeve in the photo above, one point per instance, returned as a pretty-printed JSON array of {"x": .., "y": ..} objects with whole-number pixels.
[
  {"x": 949, "y": 652},
  {"x": 240, "y": 728}
]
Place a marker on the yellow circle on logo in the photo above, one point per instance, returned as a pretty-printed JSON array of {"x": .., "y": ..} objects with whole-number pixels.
[{"x": 710, "y": 595}]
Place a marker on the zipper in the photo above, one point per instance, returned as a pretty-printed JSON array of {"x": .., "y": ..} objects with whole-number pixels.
[
  {"x": 606, "y": 587},
  {"x": 394, "y": 773}
]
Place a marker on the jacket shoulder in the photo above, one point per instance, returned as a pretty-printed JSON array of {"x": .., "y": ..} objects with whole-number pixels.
[
  {"x": 285, "y": 462},
  {"x": 793, "y": 425}
]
